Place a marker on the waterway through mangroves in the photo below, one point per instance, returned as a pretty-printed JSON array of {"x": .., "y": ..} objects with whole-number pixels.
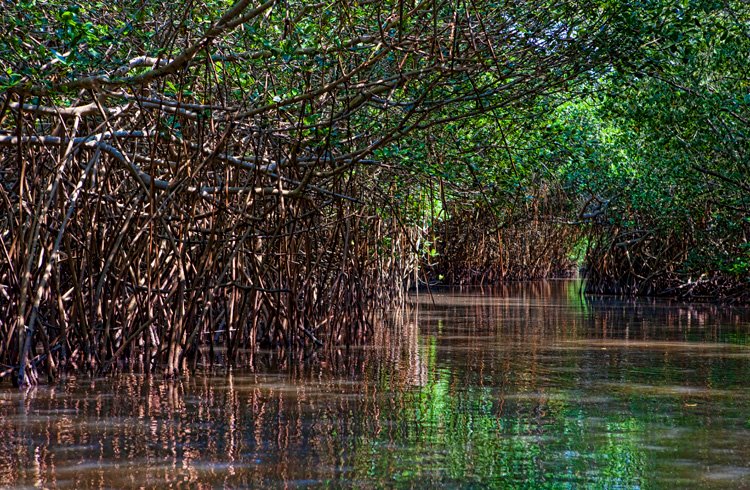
[{"x": 522, "y": 386}]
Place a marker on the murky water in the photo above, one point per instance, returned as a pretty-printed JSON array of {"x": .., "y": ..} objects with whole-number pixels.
[{"x": 526, "y": 386}]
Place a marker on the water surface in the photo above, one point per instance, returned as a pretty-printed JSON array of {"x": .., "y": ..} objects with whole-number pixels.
[{"x": 523, "y": 386}]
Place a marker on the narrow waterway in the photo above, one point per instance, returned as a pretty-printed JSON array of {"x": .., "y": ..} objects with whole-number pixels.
[{"x": 522, "y": 386}]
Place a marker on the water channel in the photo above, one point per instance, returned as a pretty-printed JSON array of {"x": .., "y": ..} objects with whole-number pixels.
[{"x": 521, "y": 386}]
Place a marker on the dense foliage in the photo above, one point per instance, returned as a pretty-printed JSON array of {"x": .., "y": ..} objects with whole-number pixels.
[
  {"x": 217, "y": 177},
  {"x": 672, "y": 185}
]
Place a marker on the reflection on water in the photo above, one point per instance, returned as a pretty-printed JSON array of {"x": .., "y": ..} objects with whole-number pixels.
[{"x": 523, "y": 386}]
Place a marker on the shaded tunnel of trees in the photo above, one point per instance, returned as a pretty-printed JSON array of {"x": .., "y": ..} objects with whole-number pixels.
[{"x": 234, "y": 176}]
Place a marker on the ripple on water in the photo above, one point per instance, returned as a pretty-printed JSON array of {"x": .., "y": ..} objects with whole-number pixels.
[
  {"x": 518, "y": 391},
  {"x": 709, "y": 347},
  {"x": 734, "y": 473},
  {"x": 665, "y": 390}
]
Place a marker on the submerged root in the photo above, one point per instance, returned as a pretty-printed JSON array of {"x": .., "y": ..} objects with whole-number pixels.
[
  {"x": 474, "y": 247},
  {"x": 101, "y": 272}
]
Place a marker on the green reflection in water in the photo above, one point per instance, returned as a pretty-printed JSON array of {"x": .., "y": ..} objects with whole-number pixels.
[{"x": 526, "y": 386}]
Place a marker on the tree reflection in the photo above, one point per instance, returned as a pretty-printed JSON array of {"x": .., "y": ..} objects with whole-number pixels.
[{"x": 516, "y": 387}]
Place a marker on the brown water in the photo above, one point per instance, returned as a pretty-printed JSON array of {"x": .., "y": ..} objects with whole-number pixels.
[{"x": 528, "y": 386}]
